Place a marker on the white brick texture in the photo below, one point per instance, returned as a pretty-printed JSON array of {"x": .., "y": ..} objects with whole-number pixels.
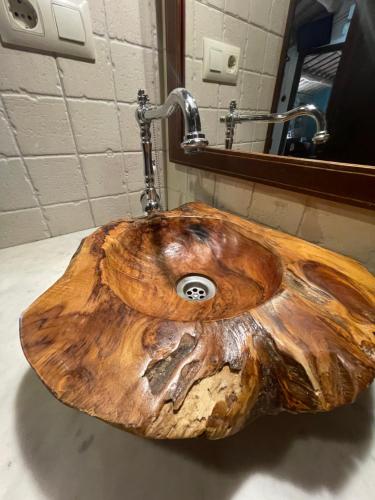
[
  {"x": 22, "y": 226},
  {"x": 68, "y": 217},
  {"x": 132, "y": 21},
  {"x": 110, "y": 208},
  {"x": 28, "y": 72},
  {"x": 56, "y": 179},
  {"x": 92, "y": 80},
  {"x": 95, "y": 126},
  {"x": 135, "y": 68},
  {"x": 69, "y": 142},
  {"x": 105, "y": 174},
  {"x": 41, "y": 124},
  {"x": 15, "y": 187},
  {"x": 7, "y": 142}
]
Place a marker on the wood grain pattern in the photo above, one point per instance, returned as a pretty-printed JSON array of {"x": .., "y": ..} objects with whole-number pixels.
[{"x": 290, "y": 328}]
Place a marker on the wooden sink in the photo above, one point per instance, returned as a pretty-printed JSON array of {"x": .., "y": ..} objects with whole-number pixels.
[{"x": 291, "y": 326}]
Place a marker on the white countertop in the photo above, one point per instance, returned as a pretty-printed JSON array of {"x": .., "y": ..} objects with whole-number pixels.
[{"x": 49, "y": 451}]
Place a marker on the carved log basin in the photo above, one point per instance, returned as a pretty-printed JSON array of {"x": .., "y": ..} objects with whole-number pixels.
[{"x": 290, "y": 327}]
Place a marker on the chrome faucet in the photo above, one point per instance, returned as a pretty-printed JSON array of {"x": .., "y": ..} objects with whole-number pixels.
[
  {"x": 194, "y": 140},
  {"x": 233, "y": 117}
]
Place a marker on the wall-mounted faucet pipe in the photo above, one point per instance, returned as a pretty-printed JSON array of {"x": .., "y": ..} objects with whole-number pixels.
[
  {"x": 194, "y": 140},
  {"x": 233, "y": 117}
]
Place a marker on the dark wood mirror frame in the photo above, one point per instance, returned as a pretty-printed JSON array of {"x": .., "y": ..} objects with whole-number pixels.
[{"x": 342, "y": 182}]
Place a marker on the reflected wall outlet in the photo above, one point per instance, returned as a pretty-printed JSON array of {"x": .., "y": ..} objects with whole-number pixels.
[
  {"x": 61, "y": 27},
  {"x": 220, "y": 62}
]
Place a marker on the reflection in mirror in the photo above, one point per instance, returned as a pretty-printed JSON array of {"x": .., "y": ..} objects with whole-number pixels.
[
  {"x": 293, "y": 53},
  {"x": 233, "y": 117},
  {"x": 315, "y": 44},
  {"x": 315, "y": 82},
  {"x": 256, "y": 29}
]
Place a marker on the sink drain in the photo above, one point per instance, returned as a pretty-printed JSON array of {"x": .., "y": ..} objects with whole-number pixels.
[{"x": 195, "y": 287}]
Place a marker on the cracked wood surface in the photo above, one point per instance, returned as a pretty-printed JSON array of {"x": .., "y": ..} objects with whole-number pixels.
[{"x": 291, "y": 326}]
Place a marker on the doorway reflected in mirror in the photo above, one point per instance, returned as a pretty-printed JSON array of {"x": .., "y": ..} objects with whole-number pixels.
[{"x": 315, "y": 45}]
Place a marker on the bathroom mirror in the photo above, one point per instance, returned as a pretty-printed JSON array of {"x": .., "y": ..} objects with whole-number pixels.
[{"x": 292, "y": 53}]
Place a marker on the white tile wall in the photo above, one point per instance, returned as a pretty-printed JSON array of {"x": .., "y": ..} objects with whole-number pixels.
[
  {"x": 40, "y": 124},
  {"x": 69, "y": 143},
  {"x": 95, "y": 126},
  {"x": 273, "y": 46},
  {"x": 260, "y": 11},
  {"x": 28, "y": 72},
  {"x": 104, "y": 174},
  {"x": 253, "y": 25},
  {"x": 78, "y": 77},
  {"x": 7, "y": 142},
  {"x": 136, "y": 67},
  {"x": 110, "y": 208},
  {"x": 22, "y": 226},
  {"x": 277, "y": 208},
  {"x": 208, "y": 22},
  {"x": 68, "y": 217},
  {"x": 279, "y": 14},
  {"x": 238, "y": 8},
  {"x": 56, "y": 179},
  {"x": 16, "y": 190},
  {"x": 255, "y": 51},
  {"x": 132, "y": 21}
]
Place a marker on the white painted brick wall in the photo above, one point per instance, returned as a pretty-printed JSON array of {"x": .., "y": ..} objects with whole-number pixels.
[
  {"x": 56, "y": 179},
  {"x": 7, "y": 142},
  {"x": 16, "y": 191},
  {"x": 28, "y": 72},
  {"x": 105, "y": 174},
  {"x": 69, "y": 144},
  {"x": 40, "y": 124},
  {"x": 94, "y": 81},
  {"x": 68, "y": 217}
]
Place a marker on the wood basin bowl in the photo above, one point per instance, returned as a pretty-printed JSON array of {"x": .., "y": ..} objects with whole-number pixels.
[
  {"x": 291, "y": 326},
  {"x": 144, "y": 262}
]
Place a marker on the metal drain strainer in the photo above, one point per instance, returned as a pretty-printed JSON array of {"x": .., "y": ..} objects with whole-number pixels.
[{"x": 196, "y": 287}]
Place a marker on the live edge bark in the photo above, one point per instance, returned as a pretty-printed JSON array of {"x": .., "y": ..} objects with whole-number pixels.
[{"x": 291, "y": 326}]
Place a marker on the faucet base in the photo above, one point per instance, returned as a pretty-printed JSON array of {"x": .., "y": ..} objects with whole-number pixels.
[{"x": 150, "y": 201}]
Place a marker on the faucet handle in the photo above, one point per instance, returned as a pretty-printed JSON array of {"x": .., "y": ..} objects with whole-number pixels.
[
  {"x": 232, "y": 106},
  {"x": 231, "y": 111},
  {"x": 143, "y": 98}
]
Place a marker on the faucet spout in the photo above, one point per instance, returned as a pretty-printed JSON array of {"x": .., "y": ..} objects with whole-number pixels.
[
  {"x": 233, "y": 117},
  {"x": 194, "y": 140}
]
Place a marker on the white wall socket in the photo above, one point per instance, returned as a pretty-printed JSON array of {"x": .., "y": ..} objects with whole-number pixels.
[
  {"x": 61, "y": 27},
  {"x": 220, "y": 62}
]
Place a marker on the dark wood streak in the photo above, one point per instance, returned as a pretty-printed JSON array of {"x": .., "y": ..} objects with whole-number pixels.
[
  {"x": 112, "y": 338},
  {"x": 159, "y": 373},
  {"x": 341, "y": 287}
]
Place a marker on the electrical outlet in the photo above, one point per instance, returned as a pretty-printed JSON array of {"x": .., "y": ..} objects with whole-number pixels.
[
  {"x": 24, "y": 15},
  {"x": 60, "y": 27},
  {"x": 221, "y": 62}
]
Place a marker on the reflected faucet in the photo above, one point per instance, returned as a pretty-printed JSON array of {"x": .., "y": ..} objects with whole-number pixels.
[
  {"x": 233, "y": 117},
  {"x": 194, "y": 140}
]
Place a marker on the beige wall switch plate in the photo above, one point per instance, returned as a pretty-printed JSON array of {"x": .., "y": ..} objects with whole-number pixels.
[
  {"x": 220, "y": 62},
  {"x": 69, "y": 23}
]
